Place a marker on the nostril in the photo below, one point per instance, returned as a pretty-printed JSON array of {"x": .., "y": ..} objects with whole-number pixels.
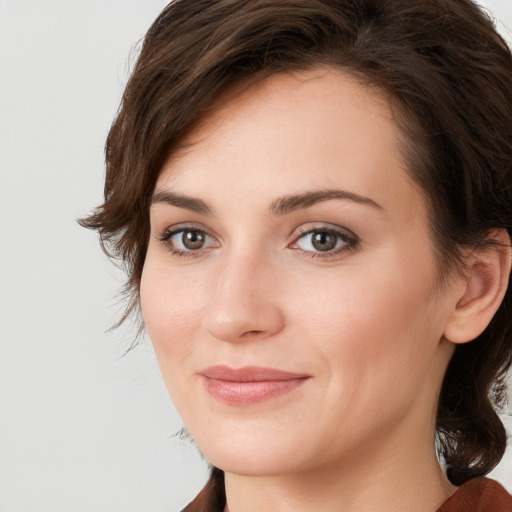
[{"x": 249, "y": 334}]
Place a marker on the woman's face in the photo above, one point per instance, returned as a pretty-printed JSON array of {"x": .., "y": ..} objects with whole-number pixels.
[{"x": 290, "y": 286}]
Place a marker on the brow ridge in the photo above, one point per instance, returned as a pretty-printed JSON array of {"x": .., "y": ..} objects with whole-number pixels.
[
  {"x": 294, "y": 202},
  {"x": 181, "y": 201},
  {"x": 280, "y": 206}
]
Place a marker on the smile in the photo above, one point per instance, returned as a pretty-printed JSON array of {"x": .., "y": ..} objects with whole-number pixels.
[{"x": 249, "y": 385}]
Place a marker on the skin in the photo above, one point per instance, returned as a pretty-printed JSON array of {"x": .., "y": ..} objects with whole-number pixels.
[{"x": 365, "y": 322}]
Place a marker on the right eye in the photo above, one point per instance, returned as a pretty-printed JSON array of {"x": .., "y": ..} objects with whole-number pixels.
[{"x": 182, "y": 240}]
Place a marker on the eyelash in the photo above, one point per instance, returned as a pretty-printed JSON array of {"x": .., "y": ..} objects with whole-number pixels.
[
  {"x": 350, "y": 241},
  {"x": 169, "y": 233}
]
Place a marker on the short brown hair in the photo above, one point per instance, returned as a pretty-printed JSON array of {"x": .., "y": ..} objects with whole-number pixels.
[{"x": 448, "y": 75}]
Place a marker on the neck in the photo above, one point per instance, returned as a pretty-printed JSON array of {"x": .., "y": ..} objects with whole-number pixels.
[{"x": 401, "y": 476}]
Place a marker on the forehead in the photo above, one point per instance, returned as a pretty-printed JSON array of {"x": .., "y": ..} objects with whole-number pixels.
[{"x": 290, "y": 132}]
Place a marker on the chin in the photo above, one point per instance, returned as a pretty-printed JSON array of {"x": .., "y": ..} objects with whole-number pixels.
[{"x": 250, "y": 456}]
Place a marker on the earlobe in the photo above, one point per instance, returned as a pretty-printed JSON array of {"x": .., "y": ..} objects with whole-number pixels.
[{"x": 485, "y": 286}]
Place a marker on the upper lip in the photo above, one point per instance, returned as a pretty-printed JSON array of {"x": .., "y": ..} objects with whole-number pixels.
[{"x": 249, "y": 374}]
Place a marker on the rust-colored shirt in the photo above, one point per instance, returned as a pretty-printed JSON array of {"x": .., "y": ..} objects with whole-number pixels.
[{"x": 477, "y": 495}]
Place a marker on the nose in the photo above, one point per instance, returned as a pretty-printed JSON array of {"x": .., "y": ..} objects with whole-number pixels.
[{"x": 244, "y": 304}]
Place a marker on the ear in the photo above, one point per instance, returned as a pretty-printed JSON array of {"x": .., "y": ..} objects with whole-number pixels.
[{"x": 483, "y": 289}]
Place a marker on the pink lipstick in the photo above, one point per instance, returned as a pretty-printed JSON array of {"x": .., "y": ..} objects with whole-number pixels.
[{"x": 250, "y": 384}]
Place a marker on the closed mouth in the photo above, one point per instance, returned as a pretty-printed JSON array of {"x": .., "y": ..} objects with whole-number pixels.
[{"x": 248, "y": 385}]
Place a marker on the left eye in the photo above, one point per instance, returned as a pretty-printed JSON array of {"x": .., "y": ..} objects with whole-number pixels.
[
  {"x": 190, "y": 240},
  {"x": 322, "y": 240}
]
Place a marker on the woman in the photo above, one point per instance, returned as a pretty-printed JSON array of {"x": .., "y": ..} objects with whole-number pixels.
[{"x": 313, "y": 199}]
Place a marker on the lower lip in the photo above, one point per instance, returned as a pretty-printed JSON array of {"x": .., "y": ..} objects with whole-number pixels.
[{"x": 245, "y": 393}]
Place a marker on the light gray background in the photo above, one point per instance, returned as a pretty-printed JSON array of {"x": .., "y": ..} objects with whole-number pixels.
[{"x": 81, "y": 427}]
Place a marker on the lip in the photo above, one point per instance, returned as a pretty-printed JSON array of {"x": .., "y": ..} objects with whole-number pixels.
[{"x": 250, "y": 384}]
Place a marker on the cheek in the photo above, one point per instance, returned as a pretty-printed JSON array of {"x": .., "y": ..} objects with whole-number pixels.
[
  {"x": 373, "y": 336},
  {"x": 172, "y": 308},
  {"x": 374, "y": 324}
]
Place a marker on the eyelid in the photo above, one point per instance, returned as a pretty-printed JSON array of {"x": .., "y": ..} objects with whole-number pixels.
[
  {"x": 351, "y": 239},
  {"x": 165, "y": 236},
  {"x": 166, "y": 233}
]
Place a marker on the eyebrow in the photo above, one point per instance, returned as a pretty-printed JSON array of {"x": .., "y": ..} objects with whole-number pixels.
[
  {"x": 294, "y": 202},
  {"x": 181, "y": 201},
  {"x": 280, "y": 206}
]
